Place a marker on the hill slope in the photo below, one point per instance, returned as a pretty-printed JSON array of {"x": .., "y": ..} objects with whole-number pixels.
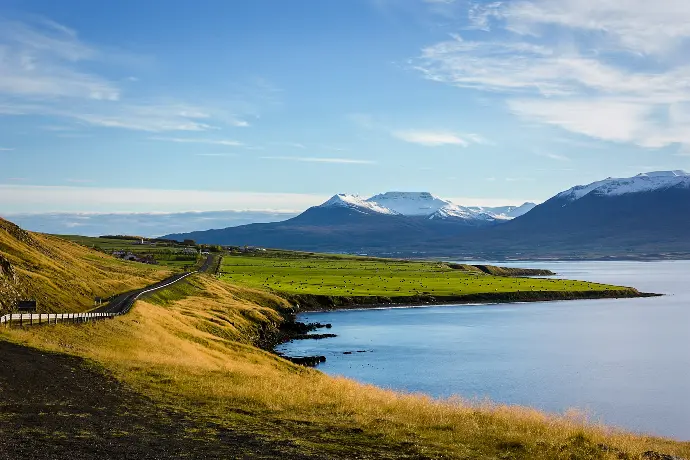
[
  {"x": 191, "y": 350},
  {"x": 60, "y": 275}
]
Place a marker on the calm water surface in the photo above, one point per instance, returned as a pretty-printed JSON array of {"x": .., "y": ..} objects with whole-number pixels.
[{"x": 625, "y": 362}]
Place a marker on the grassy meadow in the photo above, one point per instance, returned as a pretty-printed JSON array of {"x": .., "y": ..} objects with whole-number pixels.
[
  {"x": 300, "y": 273},
  {"x": 192, "y": 348},
  {"x": 167, "y": 255}
]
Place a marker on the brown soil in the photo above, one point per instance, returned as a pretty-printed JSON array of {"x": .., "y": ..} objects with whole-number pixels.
[{"x": 55, "y": 406}]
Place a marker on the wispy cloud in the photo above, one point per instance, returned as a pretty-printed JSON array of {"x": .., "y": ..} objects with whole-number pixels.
[
  {"x": 215, "y": 154},
  {"x": 554, "y": 156},
  {"x": 48, "y": 70},
  {"x": 43, "y": 60},
  {"x": 437, "y": 138},
  {"x": 321, "y": 160},
  {"x": 623, "y": 75},
  {"x": 295, "y": 145},
  {"x": 4, "y": 149},
  {"x": 184, "y": 140}
]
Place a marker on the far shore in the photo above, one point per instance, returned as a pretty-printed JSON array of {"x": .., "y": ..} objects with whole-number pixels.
[{"x": 317, "y": 303}]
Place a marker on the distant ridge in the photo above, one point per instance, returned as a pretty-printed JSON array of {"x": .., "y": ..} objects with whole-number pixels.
[
  {"x": 647, "y": 215},
  {"x": 351, "y": 223}
]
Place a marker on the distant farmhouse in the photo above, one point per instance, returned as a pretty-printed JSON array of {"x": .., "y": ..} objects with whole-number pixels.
[{"x": 145, "y": 259}]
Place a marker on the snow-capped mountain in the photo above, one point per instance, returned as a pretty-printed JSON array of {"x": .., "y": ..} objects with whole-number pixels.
[
  {"x": 356, "y": 203},
  {"x": 648, "y": 214},
  {"x": 645, "y": 215},
  {"x": 423, "y": 204},
  {"x": 505, "y": 212},
  {"x": 645, "y": 182},
  {"x": 410, "y": 203}
]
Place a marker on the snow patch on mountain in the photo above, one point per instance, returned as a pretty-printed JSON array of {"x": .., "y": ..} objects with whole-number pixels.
[
  {"x": 454, "y": 211},
  {"x": 410, "y": 203},
  {"x": 424, "y": 204},
  {"x": 505, "y": 212},
  {"x": 645, "y": 182},
  {"x": 357, "y": 203}
]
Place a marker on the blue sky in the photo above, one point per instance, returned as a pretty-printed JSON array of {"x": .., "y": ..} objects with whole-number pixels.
[{"x": 262, "y": 105}]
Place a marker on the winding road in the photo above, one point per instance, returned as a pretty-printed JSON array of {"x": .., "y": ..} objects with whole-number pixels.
[{"x": 122, "y": 303}]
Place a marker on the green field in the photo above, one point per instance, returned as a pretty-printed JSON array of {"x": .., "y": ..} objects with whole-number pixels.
[
  {"x": 166, "y": 254},
  {"x": 352, "y": 276}
]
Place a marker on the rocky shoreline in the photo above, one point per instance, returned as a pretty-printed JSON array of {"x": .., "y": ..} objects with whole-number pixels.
[
  {"x": 317, "y": 303},
  {"x": 291, "y": 329}
]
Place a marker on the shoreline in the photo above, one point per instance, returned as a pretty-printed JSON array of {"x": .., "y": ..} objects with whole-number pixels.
[
  {"x": 291, "y": 329},
  {"x": 311, "y": 303}
]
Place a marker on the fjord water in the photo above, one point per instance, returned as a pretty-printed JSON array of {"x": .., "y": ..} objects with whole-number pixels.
[{"x": 625, "y": 362}]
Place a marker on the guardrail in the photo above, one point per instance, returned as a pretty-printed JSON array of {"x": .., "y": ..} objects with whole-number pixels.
[
  {"x": 31, "y": 319},
  {"x": 123, "y": 304}
]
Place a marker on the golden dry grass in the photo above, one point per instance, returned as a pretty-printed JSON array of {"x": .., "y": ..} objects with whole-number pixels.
[
  {"x": 62, "y": 276},
  {"x": 192, "y": 348}
]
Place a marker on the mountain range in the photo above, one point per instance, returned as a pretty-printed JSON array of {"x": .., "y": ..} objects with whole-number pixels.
[{"x": 644, "y": 215}]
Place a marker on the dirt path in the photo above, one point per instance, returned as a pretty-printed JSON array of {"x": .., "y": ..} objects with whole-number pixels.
[{"x": 55, "y": 406}]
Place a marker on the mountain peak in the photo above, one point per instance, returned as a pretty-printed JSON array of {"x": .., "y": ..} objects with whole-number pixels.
[
  {"x": 675, "y": 173},
  {"x": 344, "y": 200},
  {"x": 643, "y": 182},
  {"x": 410, "y": 203}
]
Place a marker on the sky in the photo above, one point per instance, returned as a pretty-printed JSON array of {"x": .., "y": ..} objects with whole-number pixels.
[{"x": 267, "y": 107}]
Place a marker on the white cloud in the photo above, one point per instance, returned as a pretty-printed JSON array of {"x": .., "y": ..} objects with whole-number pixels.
[
  {"x": 611, "y": 119},
  {"x": 47, "y": 71},
  {"x": 41, "y": 60},
  {"x": 609, "y": 69},
  {"x": 226, "y": 142},
  {"x": 437, "y": 138},
  {"x": 637, "y": 26},
  {"x": 3, "y": 149},
  {"x": 321, "y": 160},
  {"x": 36, "y": 198},
  {"x": 554, "y": 156},
  {"x": 295, "y": 145}
]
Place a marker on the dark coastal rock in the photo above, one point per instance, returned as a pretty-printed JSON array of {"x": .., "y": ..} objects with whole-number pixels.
[
  {"x": 312, "y": 336},
  {"x": 309, "y": 361}
]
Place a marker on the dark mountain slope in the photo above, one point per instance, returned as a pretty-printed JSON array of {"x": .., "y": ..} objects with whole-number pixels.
[
  {"x": 652, "y": 222},
  {"x": 335, "y": 229}
]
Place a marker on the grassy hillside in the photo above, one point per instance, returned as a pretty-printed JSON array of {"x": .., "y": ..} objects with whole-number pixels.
[
  {"x": 62, "y": 276},
  {"x": 191, "y": 349},
  {"x": 360, "y": 277}
]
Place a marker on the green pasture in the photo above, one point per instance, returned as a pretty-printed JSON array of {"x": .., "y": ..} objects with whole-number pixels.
[
  {"x": 166, "y": 254},
  {"x": 378, "y": 277}
]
